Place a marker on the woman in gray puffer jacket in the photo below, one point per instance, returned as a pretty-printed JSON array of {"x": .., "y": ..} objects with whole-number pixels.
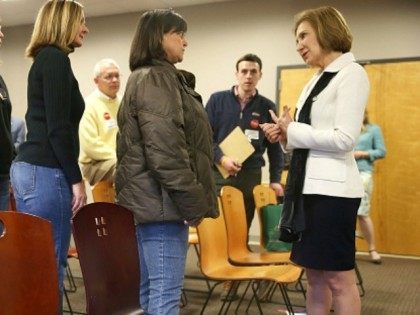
[{"x": 164, "y": 150}]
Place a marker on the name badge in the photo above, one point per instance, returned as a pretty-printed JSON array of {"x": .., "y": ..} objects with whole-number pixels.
[
  {"x": 111, "y": 123},
  {"x": 252, "y": 134}
]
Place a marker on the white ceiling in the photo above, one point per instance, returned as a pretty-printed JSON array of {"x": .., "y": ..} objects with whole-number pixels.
[{"x": 18, "y": 12}]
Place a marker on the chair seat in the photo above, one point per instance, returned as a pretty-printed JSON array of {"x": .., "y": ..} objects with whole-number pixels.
[
  {"x": 281, "y": 274},
  {"x": 265, "y": 258}
]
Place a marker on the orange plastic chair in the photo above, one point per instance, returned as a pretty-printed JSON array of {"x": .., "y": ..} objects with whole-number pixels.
[
  {"x": 28, "y": 271},
  {"x": 105, "y": 237},
  {"x": 236, "y": 227},
  {"x": 103, "y": 191},
  {"x": 215, "y": 264}
]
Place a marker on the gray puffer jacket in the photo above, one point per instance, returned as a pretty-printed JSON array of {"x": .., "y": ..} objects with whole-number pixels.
[{"x": 164, "y": 148}]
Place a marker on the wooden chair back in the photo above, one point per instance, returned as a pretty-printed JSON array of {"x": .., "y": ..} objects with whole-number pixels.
[
  {"x": 213, "y": 243},
  {"x": 103, "y": 191},
  {"x": 235, "y": 220},
  {"x": 263, "y": 195},
  {"x": 28, "y": 270},
  {"x": 105, "y": 238}
]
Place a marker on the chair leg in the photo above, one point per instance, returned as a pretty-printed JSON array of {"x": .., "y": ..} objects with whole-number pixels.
[
  {"x": 72, "y": 284},
  {"x": 68, "y": 302},
  {"x": 359, "y": 280},
  {"x": 286, "y": 299},
  {"x": 242, "y": 297},
  {"x": 197, "y": 251},
  {"x": 254, "y": 287},
  {"x": 184, "y": 300},
  {"x": 209, "y": 296}
]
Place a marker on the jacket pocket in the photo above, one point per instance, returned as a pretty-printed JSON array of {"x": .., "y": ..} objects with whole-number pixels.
[{"x": 326, "y": 168}]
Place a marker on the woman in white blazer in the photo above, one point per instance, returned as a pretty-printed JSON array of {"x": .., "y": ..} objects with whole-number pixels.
[{"x": 324, "y": 185}]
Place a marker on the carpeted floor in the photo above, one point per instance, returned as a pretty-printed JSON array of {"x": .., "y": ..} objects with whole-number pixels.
[{"x": 391, "y": 288}]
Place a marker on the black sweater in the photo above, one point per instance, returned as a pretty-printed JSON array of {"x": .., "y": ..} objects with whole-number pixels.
[
  {"x": 6, "y": 144},
  {"x": 55, "y": 106}
]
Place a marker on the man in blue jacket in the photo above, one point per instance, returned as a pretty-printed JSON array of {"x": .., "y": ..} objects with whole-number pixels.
[{"x": 242, "y": 106}]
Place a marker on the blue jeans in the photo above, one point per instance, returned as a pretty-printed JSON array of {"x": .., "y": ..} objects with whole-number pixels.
[
  {"x": 163, "y": 250},
  {"x": 44, "y": 192},
  {"x": 4, "y": 193}
]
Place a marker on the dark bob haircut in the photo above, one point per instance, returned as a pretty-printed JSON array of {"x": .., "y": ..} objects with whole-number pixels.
[{"x": 147, "y": 41}]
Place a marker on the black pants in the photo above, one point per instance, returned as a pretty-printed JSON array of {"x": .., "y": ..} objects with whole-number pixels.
[{"x": 245, "y": 181}]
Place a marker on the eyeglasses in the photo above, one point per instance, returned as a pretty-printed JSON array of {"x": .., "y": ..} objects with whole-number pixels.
[{"x": 111, "y": 76}]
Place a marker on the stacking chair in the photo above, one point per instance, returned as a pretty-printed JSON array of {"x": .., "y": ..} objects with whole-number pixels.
[
  {"x": 263, "y": 195},
  {"x": 103, "y": 192},
  {"x": 28, "y": 270},
  {"x": 237, "y": 231},
  {"x": 104, "y": 234},
  {"x": 215, "y": 264}
]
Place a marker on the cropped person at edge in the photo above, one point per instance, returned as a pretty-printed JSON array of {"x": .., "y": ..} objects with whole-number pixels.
[{"x": 45, "y": 175}]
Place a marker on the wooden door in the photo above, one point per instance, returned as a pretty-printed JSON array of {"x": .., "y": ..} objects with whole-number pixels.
[{"x": 394, "y": 106}]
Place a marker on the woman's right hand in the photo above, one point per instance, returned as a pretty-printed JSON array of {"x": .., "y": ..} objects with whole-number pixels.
[{"x": 79, "y": 196}]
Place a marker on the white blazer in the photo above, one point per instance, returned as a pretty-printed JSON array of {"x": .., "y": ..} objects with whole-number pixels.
[{"x": 336, "y": 121}]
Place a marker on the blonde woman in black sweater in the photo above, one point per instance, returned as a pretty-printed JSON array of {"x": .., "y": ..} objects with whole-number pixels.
[{"x": 45, "y": 175}]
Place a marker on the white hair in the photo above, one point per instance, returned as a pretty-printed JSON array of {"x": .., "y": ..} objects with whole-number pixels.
[{"x": 101, "y": 64}]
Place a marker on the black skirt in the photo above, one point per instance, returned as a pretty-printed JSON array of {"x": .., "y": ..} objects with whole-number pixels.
[{"x": 328, "y": 242}]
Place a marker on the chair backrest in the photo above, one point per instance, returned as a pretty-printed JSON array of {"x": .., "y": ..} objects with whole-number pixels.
[
  {"x": 28, "y": 270},
  {"x": 103, "y": 191},
  {"x": 235, "y": 219},
  {"x": 105, "y": 238},
  {"x": 213, "y": 243},
  {"x": 263, "y": 195}
]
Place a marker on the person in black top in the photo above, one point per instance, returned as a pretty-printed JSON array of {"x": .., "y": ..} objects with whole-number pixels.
[
  {"x": 45, "y": 175},
  {"x": 6, "y": 145}
]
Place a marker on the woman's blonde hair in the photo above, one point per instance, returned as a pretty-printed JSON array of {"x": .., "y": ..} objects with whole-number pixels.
[
  {"x": 57, "y": 24},
  {"x": 331, "y": 29}
]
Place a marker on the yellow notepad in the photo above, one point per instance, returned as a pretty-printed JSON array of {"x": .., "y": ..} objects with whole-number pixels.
[{"x": 236, "y": 146}]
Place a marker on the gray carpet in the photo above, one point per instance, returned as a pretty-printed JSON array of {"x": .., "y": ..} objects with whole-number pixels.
[{"x": 391, "y": 288}]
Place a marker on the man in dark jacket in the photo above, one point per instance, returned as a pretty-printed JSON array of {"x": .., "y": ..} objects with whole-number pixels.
[{"x": 242, "y": 106}]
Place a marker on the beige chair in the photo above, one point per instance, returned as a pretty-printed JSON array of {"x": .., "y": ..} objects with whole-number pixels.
[
  {"x": 263, "y": 195},
  {"x": 236, "y": 227},
  {"x": 103, "y": 191},
  {"x": 215, "y": 264}
]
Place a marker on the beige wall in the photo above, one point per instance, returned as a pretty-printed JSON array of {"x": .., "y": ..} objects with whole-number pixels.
[{"x": 220, "y": 33}]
